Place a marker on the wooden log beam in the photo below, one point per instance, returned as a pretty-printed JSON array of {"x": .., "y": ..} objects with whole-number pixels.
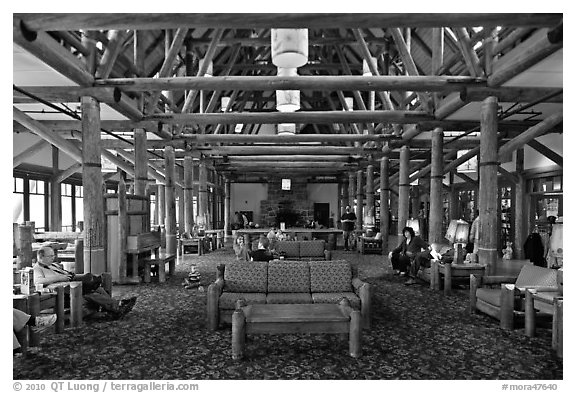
[
  {"x": 113, "y": 50},
  {"x": 530, "y": 134},
  {"x": 442, "y": 83},
  {"x": 510, "y": 176},
  {"x": 547, "y": 152},
  {"x": 467, "y": 179},
  {"x": 57, "y": 94},
  {"x": 470, "y": 57},
  {"x": 404, "y": 117},
  {"x": 29, "y": 152},
  {"x": 155, "y": 21},
  {"x": 288, "y": 164},
  {"x": 285, "y": 139},
  {"x": 524, "y": 56},
  {"x": 272, "y": 158},
  {"x": 46, "y": 134},
  {"x": 513, "y": 94},
  {"x": 266, "y": 150},
  {"x": 66, "y": 173}
]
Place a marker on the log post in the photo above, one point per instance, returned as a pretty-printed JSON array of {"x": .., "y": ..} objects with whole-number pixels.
[
  {"x": 188, "y": 193},
  {"x": 140, "y": 162},
  {"x": 170, "y": 200},
  {"x": 60, "y": 309},
  {"x": 181, "y": 209},
  {"x": 355, "y": 334},
  {"x": 359, "y": 199},
  {"x": 351, "y": 190},
  {"x": 34, "y": 311},
  {"x": 403, "y": 188},
  {"x": 24, "y": 246},
  {"x": 161, "y": 204},
  {"x": 94, "y": 224},
  {"x": 436, "y": 176},
  {"x": 119, "y": 265},
  {"x": 520, "y": 232},
  {"x": 384, "y": 198},
  {"x": 55, "y": 194},
  {"x": 227, "y": 226},
  {"x": 238, "y": 334},
  {"x": 202, "y": 194},
  {"x": 370, "y": 192},
  {"x": 76, "y": 303},
  {"x": 343, "y": 196},
  {"x": 488, "y": 198}
]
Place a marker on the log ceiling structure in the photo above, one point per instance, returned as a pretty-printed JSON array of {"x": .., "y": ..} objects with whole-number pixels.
[{"x": 432, "y": 71}]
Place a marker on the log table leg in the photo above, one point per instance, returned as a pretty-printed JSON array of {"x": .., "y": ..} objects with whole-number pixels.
[
  {"x": 161, "y": 264},
  {"x": 448, "y": 279},
  {"x": 76, "y": 300},
  {"x": 238, "y": 334},
  {"x": 355, "y": 334}
]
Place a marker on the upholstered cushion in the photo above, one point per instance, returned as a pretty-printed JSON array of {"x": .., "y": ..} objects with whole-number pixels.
[
  {"x": 330, "y": 276},
  {"x": 489, "y": 295},
  {"x": 291, "y": 248},
  {"x": 288, "y": 298},
  {"x": 228, "y": 300},
  {"x": 246, "y": 277},
  {"x": 288, "y": 276},
  {"x": 312, "y": 248},
  {"x": 535, "y": 276},
  {"x": 336, "y": 297}
]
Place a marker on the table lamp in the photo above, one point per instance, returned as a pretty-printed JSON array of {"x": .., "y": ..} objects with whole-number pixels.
[
  {"x": 457, "y": 234},
  {"x": 414, "y": 223}
]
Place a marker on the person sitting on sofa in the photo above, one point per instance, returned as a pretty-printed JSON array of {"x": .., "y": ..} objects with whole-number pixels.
[
  {"x": 240, "y": 249},
  {"x": 423, "y": 259},
  {"x": 20, "y": 320},
  {"x": 47, "y": 272},
  {"x": 402, "y": 256},
  {"x": 261, "y": 254}
]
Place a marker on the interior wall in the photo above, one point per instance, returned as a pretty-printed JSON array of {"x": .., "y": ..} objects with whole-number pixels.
[
  {"x": 246, "y": 197},
  {"x": 324, "y": 193}
]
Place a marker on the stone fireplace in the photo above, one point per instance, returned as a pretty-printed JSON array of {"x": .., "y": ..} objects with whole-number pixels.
[{"x": 289, "y": 206}]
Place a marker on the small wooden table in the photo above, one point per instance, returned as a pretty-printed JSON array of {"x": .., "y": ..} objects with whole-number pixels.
[
  {"x": 458, "y": 271},
  {"x": 296, "y": 318}
]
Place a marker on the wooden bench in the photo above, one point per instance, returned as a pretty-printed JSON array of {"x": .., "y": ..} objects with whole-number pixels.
[
  {"x": 159, "y": 260},
  {"x": 197, "y": 241}
]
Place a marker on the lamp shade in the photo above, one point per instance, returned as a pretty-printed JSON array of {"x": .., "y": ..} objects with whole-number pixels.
[
  {"x": 286, "y": 129},
  {"x": 287, "y": 100},
  {"x": 289, "y": 47},
  {"x": 414, "y": 223},
  {"x": 224, "y": 102},
  {"x": 458, "y": 231}
]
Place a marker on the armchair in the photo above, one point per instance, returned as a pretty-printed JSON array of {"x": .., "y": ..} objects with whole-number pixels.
[
  {"x": 368, "y": 245},
  {"x": 506, "y": 302}
]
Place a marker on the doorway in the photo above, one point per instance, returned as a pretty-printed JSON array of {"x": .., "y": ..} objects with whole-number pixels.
[{"x": 322, "y": 213}]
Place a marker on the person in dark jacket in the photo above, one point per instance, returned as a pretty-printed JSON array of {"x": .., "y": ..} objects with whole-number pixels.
[
  {"x": 534, "y": 249},
  {"x": 403, "y": 255}
]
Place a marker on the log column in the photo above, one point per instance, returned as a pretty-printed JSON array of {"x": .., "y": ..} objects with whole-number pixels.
[
  {"x": 384, "y": 197},
  {"x": 359, "y": 199},
  {"x": 436, "y": 176},
  {"x": 520, "y": 232},
  {"x": 370, "y": 192},
  {"x": 188, "y": 193},
  {"x": 161, "y": 198},
  {"x": 227, "y": 226},
  {"x": 488, "y": 198},
  {"x": 170, "y": 200},
  {"x": 403, "y": 189},
  {"x": 140, "y": 162},
  {"x": 344, "y": 197},
  {"x": 55, "y": 194},
  {"x": 94, "y": 224},
  {"x": 202, "y": 195},
  {"x": 351, "y": 190}
]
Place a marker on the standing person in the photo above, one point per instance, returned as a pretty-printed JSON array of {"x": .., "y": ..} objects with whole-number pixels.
[
  {"x": 348, "y": 222},
  {"x": 403, "y": 255},
  {"x": 474, "y": 236}
]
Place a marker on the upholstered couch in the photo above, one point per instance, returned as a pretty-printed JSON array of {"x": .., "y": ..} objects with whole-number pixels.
[
  {"x": 304, "y": 249},
  {"x": 285, "y": 282}
]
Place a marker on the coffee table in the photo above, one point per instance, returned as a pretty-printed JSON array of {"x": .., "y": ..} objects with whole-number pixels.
[
  {"x": 295, "y": 318},
  {"x": 458, "y": 271}
]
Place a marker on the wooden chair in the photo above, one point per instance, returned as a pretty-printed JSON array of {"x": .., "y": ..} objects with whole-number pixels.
[
  {"x": 506, "y": 302},
  {"x": 368, "y": 245}
]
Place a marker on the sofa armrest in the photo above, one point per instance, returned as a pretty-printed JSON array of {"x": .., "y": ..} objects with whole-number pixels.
[
  {"x": 475, "y": 283},
  {"x": 212, "y": 296},
  {"x": 356, "y": 284},
  {"x": 365, "y": 295},
  {"x": 507, "y": 295},
  {"x": 493, "y": 280}
]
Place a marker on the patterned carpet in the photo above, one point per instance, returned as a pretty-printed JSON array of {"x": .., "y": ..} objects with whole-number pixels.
[{"x": 417, "y": 334}]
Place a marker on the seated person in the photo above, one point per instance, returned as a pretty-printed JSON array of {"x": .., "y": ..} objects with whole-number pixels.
[
  {"x": 402, "y": 256},
  {"x": 21, "y": 320},
  {"x": 261, "y": 254},
  {"x": 47, "y": 272},
  {"x": 240, "y": 249},
  {"x": 434, "y": 252},
  {"x": 281, "y": 235}
]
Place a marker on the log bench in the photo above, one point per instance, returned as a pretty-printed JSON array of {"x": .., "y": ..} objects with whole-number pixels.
[{"x": 160, "y": 260}]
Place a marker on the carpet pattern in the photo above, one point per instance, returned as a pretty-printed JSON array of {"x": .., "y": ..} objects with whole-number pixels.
[{"x": 416, "y": 334}]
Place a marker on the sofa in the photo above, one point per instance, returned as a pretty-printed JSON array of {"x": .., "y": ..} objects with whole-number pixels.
[
  {"x": 285, "y": 282},
  {"x": 502, "y": 297},
  {"x": 303, "y": 250}
]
